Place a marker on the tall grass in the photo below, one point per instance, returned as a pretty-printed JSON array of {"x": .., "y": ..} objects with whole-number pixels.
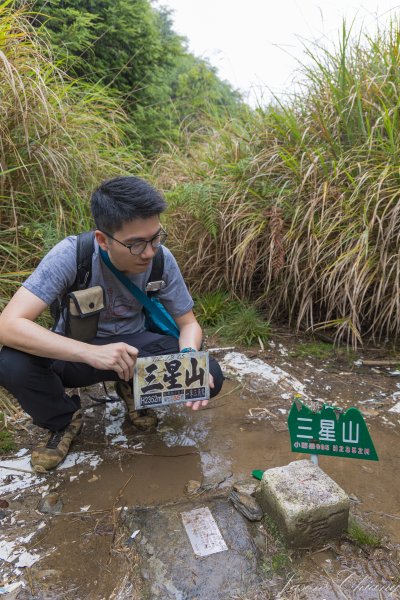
[
  {"x": 58, "y": 139},
  {"x": 297, "y": 207}
]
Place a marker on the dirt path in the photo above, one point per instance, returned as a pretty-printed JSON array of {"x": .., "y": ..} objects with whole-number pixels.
[{"x": 87, "y": 550}]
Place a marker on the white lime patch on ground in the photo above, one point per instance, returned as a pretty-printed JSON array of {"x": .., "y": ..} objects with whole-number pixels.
[
  {"x": 395, "y": 408},
  {"x": 240, "y": 365},
  {"x": 23, "y": 476},
  {"x": 114, "y": 424},
  {"x": 18, "y": 474},
  {"x": 283, "y": 351},
  {"x": 11, "y": 587},
  {"x": 15, "y": 552},
  {"x": 79, "y": 458},
  {"x": 21, "y": 452}
]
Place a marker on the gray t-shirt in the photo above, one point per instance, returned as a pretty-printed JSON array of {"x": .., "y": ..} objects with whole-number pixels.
[{"x": 122, "y": 313}]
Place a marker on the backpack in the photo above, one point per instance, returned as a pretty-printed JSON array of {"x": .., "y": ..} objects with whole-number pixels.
[{"x": 84, "y": 253}]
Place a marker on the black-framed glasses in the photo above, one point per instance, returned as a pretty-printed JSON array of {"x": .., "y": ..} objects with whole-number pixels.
[{"x": 139, "y": 246}]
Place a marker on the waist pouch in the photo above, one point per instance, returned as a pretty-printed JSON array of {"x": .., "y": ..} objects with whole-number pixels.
[{"x": 83, "y": 312}]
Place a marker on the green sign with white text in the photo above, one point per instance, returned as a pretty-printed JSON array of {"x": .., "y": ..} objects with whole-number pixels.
[{"x": 327, "y": 433}]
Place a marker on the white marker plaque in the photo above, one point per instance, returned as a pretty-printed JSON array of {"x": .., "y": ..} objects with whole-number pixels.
[{"x": 203, "y": 532}]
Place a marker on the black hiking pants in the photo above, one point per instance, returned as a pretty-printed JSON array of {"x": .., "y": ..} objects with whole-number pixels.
[{"x": 38, "y": 383}]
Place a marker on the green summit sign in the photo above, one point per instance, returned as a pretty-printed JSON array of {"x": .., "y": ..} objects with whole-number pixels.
[{"x": 326, "y": 433}]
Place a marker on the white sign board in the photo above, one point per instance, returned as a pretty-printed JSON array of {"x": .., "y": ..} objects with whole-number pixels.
[{"x": 171, "y": 378}]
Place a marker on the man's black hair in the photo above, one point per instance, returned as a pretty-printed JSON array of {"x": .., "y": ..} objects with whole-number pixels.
[{"x": 123, "y": 199}]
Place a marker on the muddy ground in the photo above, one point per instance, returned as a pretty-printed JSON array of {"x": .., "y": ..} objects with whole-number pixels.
[{"x": 86, "y": 547}]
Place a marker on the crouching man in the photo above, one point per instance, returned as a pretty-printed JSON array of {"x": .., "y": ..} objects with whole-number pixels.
[{"x": 36, "y": 365}]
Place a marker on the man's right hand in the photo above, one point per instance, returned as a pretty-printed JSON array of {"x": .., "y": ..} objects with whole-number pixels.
[{"x": 118, "y": 357}]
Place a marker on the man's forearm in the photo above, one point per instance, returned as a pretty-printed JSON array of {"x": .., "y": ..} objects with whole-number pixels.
[
  {"x": 27, "y": 336},
  {"x": 190, "y": 336}
]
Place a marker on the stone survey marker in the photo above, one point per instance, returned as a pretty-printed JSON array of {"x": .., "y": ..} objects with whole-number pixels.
[
  {"x": 326, "y": 433},
  {"x": 308, "y": 506},
  {"x": 171, "y": 378}
]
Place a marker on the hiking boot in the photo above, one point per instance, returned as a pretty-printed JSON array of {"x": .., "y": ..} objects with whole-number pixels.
[
  {"x": 47, "y": 457},
  {"x": 146, "y": 419}
]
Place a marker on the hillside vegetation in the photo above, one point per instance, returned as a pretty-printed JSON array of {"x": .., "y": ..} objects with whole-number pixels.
[
  {"x": 58, "y": 137},
  {"x": 297, "y": 207}
]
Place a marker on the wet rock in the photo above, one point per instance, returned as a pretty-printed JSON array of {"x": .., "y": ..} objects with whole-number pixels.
[
  {"x": 216, "y": 478},
  {"x": 170, "y": 565},
  {"x": 247, "y": 505},
  {"x": 3, "y": 514},
  {"x": 192, "y": 487},
  {"x": 354, "y": 498},
  {"x": 51, "y": 504},
  {"x": 248, "y": 486}
]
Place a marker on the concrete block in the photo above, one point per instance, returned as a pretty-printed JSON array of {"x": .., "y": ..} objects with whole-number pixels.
[{"x": 306, "y": 504}]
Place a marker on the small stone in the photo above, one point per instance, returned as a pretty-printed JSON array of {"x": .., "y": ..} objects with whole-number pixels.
[
  {"x": 247, "y": 505},
  {"x": 346, "y": 548},
  {"x": 115, "y": 411},
  {"x": 354, "y": 498},
  {"x": 50, "y": 504},
  {"x": 248, "y": 487},
  {"x": 192, "y": 487},
  {"x": 3, "y": 514},
  {"x": 4, "y": 503},
  {"x": 367, "y": 469}
]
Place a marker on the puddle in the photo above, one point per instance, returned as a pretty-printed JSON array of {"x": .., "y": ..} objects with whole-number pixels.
[{"x": 156, "y": 477}]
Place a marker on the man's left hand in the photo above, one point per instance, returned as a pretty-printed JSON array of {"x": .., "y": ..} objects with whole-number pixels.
[{"x": 200, "y": 403}]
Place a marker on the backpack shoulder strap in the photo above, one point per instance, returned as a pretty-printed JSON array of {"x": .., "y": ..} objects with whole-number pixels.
[
  {"x": 157, "y": 269},
  {"x": 84, "y": 254}
]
